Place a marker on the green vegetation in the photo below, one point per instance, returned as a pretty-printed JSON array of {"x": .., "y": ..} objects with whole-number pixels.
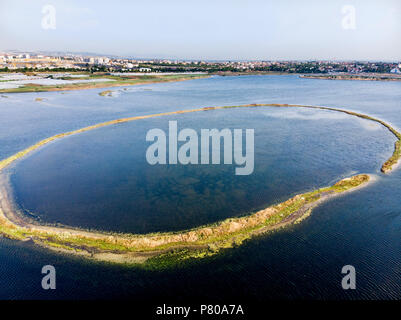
[
  {"x": 386, "y": 167},
  {"x": 115, "y": 81},
  {"x": 196, "y": 243}
]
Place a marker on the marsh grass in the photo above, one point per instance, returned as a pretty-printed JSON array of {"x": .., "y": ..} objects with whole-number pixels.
[{"x": 195, "y": 243}]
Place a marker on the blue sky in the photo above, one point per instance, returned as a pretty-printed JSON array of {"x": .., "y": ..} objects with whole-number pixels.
[{"x": 286, "y": 29}]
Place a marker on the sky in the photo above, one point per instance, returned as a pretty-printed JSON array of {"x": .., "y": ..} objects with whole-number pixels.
[{"x": 207, "y": 30}]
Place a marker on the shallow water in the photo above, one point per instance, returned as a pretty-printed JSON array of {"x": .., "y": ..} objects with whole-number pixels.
[
  {"x": 101, "y": 179},
  {"x": 296, "y": 150}
]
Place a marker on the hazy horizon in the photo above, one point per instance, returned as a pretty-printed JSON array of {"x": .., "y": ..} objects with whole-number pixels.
[{"x": 227, "y": 30}]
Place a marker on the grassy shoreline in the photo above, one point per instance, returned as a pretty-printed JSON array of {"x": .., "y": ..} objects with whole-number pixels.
[
  {"x": 199, "y": 242},
  {"x": 355, "y": 77},
  {"x": 115, "y": 81},
  {"x": 195, "y": 243}
]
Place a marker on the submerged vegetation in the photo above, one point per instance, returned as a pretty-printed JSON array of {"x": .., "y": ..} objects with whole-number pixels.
[{"x": 153, "y": 248}]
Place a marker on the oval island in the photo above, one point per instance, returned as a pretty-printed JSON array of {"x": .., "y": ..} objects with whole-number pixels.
[{"x": 172, "y": 246}]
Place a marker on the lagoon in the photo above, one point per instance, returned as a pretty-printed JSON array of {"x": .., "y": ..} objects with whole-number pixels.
[{"x": 322, "y": 148}]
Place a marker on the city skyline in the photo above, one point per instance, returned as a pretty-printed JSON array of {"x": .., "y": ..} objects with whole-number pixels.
[{"x": 229, "y": 30}]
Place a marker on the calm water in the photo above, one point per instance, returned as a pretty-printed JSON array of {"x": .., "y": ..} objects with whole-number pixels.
[{"x": 295, "y": 150}]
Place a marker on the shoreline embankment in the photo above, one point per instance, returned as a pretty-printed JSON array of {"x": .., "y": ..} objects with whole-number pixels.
[{"x": 198, "y": 242}]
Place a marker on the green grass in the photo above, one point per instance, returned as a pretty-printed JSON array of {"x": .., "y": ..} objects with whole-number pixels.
[
  {"x": 215, "y": 242},
  {"x": 205, "y": 247},
  {"x": 205, "y": 241}
]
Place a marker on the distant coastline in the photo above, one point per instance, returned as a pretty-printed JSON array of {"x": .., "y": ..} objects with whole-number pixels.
[{"x": 106, "y": 80}]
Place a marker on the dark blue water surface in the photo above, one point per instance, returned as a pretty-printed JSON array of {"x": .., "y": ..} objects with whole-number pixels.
[{"x": 101, "y": 180}]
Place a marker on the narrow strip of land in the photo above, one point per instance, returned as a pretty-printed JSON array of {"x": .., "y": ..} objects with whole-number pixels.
[
  {"x": 361, "y": 77},
  {"x": 198, "y": 242},
  {"x": 114, "y": 81}
]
